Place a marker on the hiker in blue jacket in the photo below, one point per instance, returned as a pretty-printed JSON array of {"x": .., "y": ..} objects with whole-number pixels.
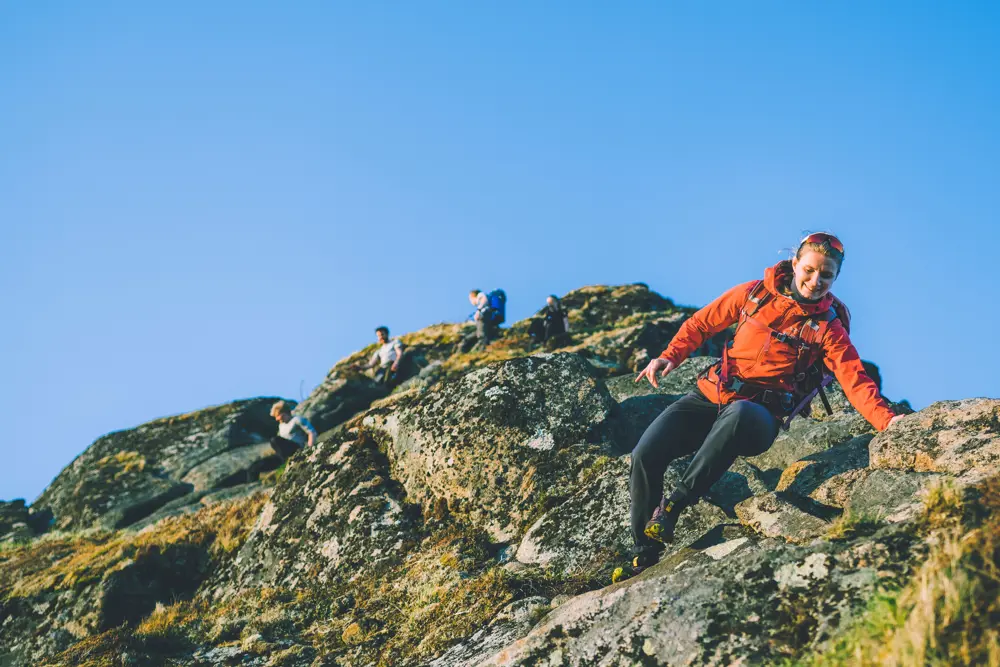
[{"x": 489, "y": 314}]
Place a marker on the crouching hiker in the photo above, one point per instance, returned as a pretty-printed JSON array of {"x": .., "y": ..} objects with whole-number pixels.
[
  {"x": 293, "y": 432},
  {"x": 791, "y": 332},
  {"x": 387, "y": 358},
  {"x": 552, "y": 324}
]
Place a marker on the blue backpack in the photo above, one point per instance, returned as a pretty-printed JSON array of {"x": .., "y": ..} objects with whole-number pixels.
[{"x": 498, "y": 302}]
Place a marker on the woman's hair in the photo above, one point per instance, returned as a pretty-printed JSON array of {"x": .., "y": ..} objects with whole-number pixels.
[
  {"x": 555, "y": 298},
  {"x": 474, "y": 292},
  {"x": 278, "y": 408},
  {"x": 823, "y": 245},
  {"x": 383, "y": 329}
]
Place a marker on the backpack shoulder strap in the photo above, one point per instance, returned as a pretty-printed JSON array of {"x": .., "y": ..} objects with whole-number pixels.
[
  {"x": 811, "y": 336},
  {"x": 756, "y": 298},
  {"x": 842, "y": 313}
]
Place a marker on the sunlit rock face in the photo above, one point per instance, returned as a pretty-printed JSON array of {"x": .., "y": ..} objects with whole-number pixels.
[
  {"x": 497, "y": 444},
  {"x": 128, "y": 475}
]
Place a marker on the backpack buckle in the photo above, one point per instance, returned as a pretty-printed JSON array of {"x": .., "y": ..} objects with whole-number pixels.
[
  {"x": 736, "y": 384},
  {"x": 783, "y": 400}
]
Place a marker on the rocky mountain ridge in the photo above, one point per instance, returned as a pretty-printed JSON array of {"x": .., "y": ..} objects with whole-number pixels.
[{"x": 473, "y": 516}]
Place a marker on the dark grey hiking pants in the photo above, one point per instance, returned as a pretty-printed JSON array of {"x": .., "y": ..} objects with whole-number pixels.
[
  {"x": 693, "y": 424},
  {"x": 284, "y": 447}
]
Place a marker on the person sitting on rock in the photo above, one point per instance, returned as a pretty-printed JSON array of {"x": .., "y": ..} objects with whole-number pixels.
[
  {"x": 293, "y": 432},
  {"x": 553, "y": 323},
  {"x": 788, "y": 326},
  {"x": 387, "y": 358}
]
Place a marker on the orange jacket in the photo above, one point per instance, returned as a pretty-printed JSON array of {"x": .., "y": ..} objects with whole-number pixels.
[{"x": 756, "y": 357}]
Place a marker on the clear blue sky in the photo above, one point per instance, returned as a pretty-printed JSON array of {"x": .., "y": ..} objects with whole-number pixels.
[{"x": 201, "y": 202}]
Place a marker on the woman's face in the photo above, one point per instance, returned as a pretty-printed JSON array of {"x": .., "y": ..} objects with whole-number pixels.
[{"x": 814, "y": 274}]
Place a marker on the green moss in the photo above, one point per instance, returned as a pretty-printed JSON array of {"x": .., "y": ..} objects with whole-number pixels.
[{"x": 591, "y": 473}]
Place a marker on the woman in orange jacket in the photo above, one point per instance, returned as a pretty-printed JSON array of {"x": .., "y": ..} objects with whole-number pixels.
[{"x": 788, "y": 326}]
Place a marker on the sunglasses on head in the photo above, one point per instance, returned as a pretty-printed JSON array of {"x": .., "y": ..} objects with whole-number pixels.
[{"x": 819, "y": 238}]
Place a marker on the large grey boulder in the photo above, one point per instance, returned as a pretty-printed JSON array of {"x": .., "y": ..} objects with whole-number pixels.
[
  {"x": 334, "y": 514},
  {"x": 229, "y": 467},
  {"x": 591, "y": 530},
  {"x": 338, "y": 399},
  {"x": 597, "y": 306},
  {"x": 510, "y": 624},
  {"x": 783, "y": 516},
  {"x": 127, "y": 475},
  {"x": 678, "y": 382},
  {"x": 808, "y": 436},
  {"x": 887, "y": 495},
  {"x": 756, "y": 603},
  {"x": 498, "y": 445},
  {"x": 803, "y": 476},
  {"x": 961, "y": 438}
]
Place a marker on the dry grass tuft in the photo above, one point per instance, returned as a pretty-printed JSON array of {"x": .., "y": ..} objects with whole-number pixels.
[
  {"x": 851, "y": 525},
  {"x": 949, "y": 612},
  {"x": 944, "y": 505},
  {"x": 168, "y": 621},
  {"x": 123, "y": 463},
  {"x": 74, "y": 561}
]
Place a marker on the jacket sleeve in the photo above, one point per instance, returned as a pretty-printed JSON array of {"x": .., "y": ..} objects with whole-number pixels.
[
  {"x": 707, "y": 322},
  {"x": 307, "y": 425},
  {"x": 842, "y": 358}
]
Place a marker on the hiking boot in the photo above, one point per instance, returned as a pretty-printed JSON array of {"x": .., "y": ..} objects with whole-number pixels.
[
  {"x": 637, "y": 565},
  {"x": 661, "y": 526}
]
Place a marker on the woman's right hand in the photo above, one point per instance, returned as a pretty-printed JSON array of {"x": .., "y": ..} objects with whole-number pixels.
[{"x": 658, "y": 365}]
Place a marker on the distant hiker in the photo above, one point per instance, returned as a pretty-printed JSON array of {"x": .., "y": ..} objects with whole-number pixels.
[
  {"x": 293, "y": 432},
  {"x": 490, "y": 313},
  {"x": 387, "y": 358},
  {"x": 553, "y": 323},
  {"x": 789, "y": 330}
]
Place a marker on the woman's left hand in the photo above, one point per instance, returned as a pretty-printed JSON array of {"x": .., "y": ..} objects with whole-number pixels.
[
  {"x": 658, "y": 365},
  {"x": 894, "y": 420}
]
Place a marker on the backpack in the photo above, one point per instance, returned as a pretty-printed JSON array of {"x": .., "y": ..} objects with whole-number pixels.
[
  {"x": 498, "y": 302},
  {"x": 809, "y": 380}
]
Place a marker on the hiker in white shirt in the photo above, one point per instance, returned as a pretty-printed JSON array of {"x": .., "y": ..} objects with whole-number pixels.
[
  {"x": 387, "y": 357},
  {"x": 293, "y": 432}
]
